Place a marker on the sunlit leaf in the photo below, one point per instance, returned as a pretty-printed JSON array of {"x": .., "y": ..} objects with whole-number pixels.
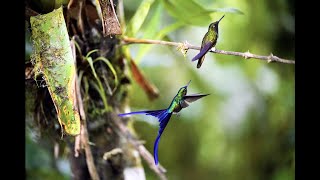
[
  {"x": 52, "y": 57},
  {"x": 138, "y": 18},
  {"x": 192, "y": 13},
  {"x": 228, "y": 10},
  {"x": 151, "y": 25}
]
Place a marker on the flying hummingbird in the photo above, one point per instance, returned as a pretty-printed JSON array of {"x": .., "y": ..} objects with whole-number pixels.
[
  {"x": 180, "y": 101},
  {"x": 209, "y": 40}
]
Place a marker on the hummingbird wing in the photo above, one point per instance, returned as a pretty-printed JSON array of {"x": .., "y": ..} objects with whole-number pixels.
[
  {"x": 204, "y": 49},
  {"x": 187, "y": 99},
  {"x": 163, "y": 116}
]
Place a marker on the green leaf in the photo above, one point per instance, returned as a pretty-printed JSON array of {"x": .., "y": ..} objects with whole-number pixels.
[
  {"x": 112, "y": 70},
  {"x": 192, "y": 13},
  {"x": 90, "y": 52},
  {"x": 97, "y": 85},
  {"x": 151, "y": 25},
  {"x": 228, "y": 10},
  {"x": 138, "y": 18},
  {"x": 89, "y": 59},
  {"x": 52, "y": 57}
]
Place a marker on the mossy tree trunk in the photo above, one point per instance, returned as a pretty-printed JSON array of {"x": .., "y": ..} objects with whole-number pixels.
[{"x": 102, "y": 82}]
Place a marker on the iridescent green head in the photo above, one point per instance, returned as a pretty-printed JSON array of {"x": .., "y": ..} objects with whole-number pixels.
[
  {"x": 183, "y": 90},
  {"x": 214, "y": 25}
]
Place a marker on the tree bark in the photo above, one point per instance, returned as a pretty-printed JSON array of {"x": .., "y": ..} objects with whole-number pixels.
[{"x": 114, "y": 156}]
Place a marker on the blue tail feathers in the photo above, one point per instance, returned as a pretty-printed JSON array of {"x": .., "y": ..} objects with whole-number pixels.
[
  {"x": 163, "y": 116},
  {"x": 163, "y": 119}
]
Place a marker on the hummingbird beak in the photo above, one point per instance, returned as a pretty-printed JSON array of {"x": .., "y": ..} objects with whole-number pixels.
[
  {"x": 187, "y": 84},
  {"x": 220, "y": 18}
]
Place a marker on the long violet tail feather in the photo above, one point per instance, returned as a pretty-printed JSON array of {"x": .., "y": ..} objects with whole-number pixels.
[
  {"x": 153, "y": 113},
  {"x": 163, "y": 116},
  {"x": 163, "y": 119}
]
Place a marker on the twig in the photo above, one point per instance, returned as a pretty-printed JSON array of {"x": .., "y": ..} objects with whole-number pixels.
[
  {"x": 129, "y": 40},
  {"x": 146, "y": 155},
  {"x": 89, "y": 159},
  {"x": 84, "y": 137},
  {"x": 186, "y": 46}
]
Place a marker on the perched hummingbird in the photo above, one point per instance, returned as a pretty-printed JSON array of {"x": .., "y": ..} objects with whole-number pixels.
[
  {"x": 180, "y": 101},
  {"x": 209, "y": 40}
]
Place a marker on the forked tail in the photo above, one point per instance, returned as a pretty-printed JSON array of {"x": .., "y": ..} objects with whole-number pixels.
[{"x": 163, "y": 116}]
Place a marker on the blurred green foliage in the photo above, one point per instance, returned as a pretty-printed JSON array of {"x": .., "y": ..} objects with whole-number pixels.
[
  {"x": 246, "y": 128},
  {"x": 40, "y": 163}
]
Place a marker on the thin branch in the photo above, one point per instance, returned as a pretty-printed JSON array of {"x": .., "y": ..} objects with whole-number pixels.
[
  {"x": 129, "y": 40},
  {"x": 146, "y": 155},
  {"x": 89, "y": 158},
  {"x": 85, "y": 144},
  {"x": 186, "y": 46},
  {"x": 83, "y": 139}
]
